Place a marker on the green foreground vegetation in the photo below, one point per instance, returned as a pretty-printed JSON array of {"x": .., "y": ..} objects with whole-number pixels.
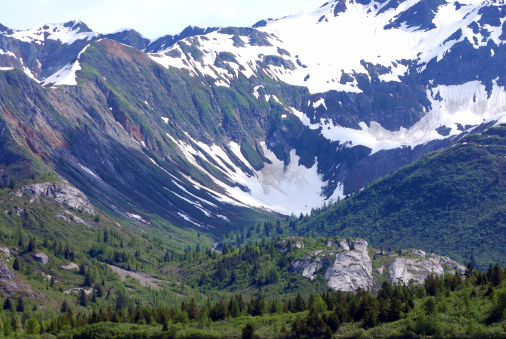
[{"x": 451, "y": 306}]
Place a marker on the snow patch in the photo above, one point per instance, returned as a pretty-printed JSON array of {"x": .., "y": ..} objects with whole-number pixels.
[
  {"x": 66, "y": 75},
  {"x": 66, "y": 35}
]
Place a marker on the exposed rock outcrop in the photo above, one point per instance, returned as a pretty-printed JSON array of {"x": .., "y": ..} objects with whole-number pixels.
[
  {"x": 347, "y": 266},
  {"x": 6, "y": 251},
  {"x": 296, "y": 242},
  {"x": 404, "y": 270},
  {"x": 352, "y": 269},
  {"x": 73, "y": 217},
  {"x": 61, "y": 193},
  {"x": 310, "y": 266}
]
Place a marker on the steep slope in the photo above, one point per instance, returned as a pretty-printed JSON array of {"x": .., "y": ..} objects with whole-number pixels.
[
  {"x": 46, "y": 49},
  {"x": 450, "y": 202},
  {"x": 387, "y": 84},
  {"x": 284, "y": 116},
  {"x": 105, "y": 141}
]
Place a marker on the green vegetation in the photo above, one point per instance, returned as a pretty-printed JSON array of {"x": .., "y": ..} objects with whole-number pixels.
[
  {"x": 452, "y": 306},
  {"x": 450, "y": 202}
]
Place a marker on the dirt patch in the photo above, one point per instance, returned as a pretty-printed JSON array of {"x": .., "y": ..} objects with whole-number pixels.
[{"x": 144, "y": 279}]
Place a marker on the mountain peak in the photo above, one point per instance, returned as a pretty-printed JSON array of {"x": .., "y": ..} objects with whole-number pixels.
[
  {"x": 3, "y": 28},
  {"x": 66, "y": 33}
]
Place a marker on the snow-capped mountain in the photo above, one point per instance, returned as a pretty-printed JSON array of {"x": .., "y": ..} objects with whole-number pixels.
[{"x": 284, "y": 115}]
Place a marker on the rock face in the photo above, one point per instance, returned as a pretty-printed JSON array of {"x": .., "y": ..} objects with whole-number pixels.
[
  {"x": 404, "y": 270},
  {"x": 41, "y": 257},
  {"x": 296, "y": 242},
  {"x": 352, "y": 269},
  {"x": 347, "y": 266},
  {"x": 311, "y": 265},
  {"x": 61, "y": 193},
  {"x": 6, "y": 251}
]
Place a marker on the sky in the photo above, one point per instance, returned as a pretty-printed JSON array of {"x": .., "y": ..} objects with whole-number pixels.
[{"x": 151, "y": 18}]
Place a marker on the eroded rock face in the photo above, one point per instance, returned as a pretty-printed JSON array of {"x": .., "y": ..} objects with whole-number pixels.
[
  {"x": 61, "y": 193},
  {"x": 310, "y": 266},
  {"x": 403, "y": 270},
  {"x": 352, "y": 269},
  {"x": 347, "y": 268},
  {"x": 297, "y": 242},
  {"x": 6, "y": 251}
]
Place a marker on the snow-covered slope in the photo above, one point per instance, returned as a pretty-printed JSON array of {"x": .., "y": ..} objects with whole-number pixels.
[
  {"x": 327, "y": 100},
  {"x": 351, "y": 47},
  {"x": 66, "y": 33}
]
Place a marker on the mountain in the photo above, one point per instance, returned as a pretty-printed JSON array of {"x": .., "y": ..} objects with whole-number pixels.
[
  {"x": 199, "y": 127},
  {"x": 450, "y": 201}
]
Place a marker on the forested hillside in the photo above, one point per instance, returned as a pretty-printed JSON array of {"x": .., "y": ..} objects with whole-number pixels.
[{"x": 450, "y": 202}]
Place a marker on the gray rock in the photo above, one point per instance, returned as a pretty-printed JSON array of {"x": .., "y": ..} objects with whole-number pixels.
[
  {"x": 311, "y": 265},
  {"x": 6, "y": 251},
  {"x": 71, "y": 266},
  {"x": 344, "y": 244},
  {"x": 403, "y": 270},
  {"x": 77, "y": 219},
  {"x": 297, "y": 242},
  {"x": 41, "y": 257},
  {"x": 351, "y": 269},
  {"x": 78, "y": 289},
  {"x": 10, "y": 284},
  {"x": 61, "y": 193}
]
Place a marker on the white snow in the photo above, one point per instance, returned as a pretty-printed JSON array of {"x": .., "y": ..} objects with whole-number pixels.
[
  {"x": 7, "y": 53},
  {"x": 294, "y": 188},
  {"x": 337, "y": 44},
  {"x": 67, "y": 35},
  {"x": 467, "y": 104},
  {"x": 6, "y": 68},
  {"x": 319, "y": 103},
  {"x": 66, "y": 75},
  {"x": 137, "y": 217},
  {"x": 187, "y": 218},
  {"x": 87, "y": 170},
  {"x": 166, "y": 120},
  {"x": 255, "y": 91}
]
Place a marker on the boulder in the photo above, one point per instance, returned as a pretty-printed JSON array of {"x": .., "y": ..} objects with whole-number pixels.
[
  {"x": 41, "y": 257},
  {"x": 70, "y": 266}
]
